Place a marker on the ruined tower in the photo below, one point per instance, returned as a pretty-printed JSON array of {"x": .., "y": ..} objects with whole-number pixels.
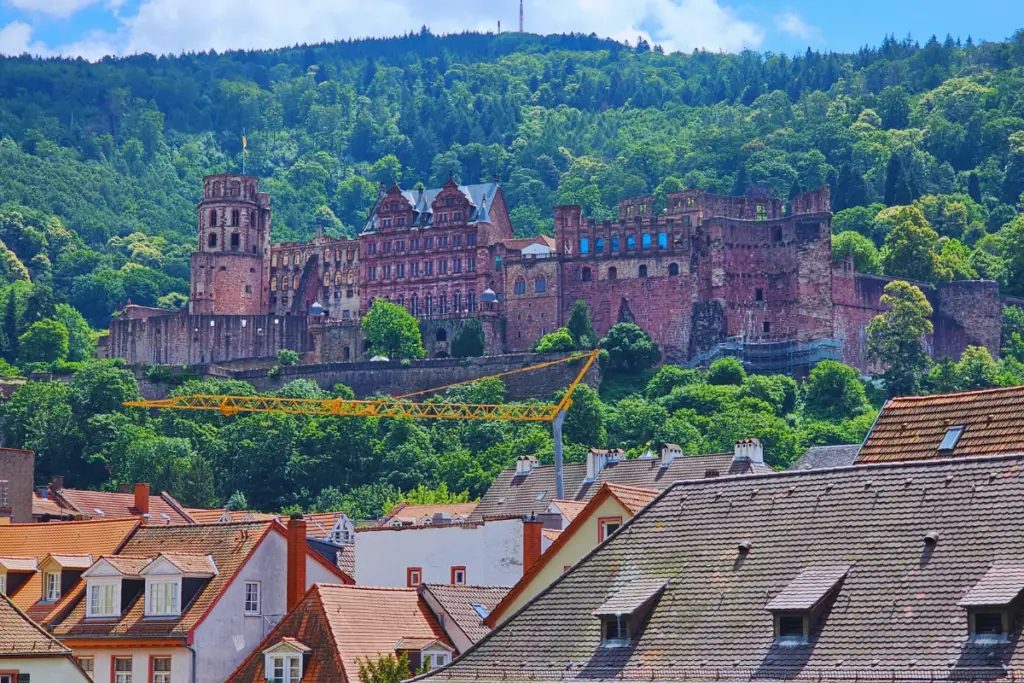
[{"x": 230, "y": 268}]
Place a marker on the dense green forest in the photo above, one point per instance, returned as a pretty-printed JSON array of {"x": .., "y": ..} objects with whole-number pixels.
[{"x": 923, "y": 145}]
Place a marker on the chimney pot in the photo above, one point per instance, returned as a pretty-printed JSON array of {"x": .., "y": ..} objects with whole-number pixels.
[
  {"x": 142, "y": 498},
  {"x": 57, "y": 483},
  {"x": 296, "y": 560},
  {"x": 532, "y": 535},
  {"x": 124, "y": 488}
]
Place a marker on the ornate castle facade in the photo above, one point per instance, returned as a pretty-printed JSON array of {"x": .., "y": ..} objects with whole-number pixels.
[{"x": 706, "y": 276}]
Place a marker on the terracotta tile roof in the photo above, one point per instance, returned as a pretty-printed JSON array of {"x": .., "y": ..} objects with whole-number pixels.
[
  {"x": 569, "y": 508},
  {"x": 120, "y": 505},
  {"x": 129, "y": 566},
  {"x": 895, "y": 615},
  {"x": 551, "y": 534},
  {"x": 192, "y": 564},
  {"x": 79, "y": 562},
  {"x": 633, "y": 498},
  {"x": 228, "y": 544},
  {"x": 414, "y": 513},
  {"x": 212, "y": 515},
  {"x": 49, "y": 507},
  {"x": 824, "y": 457},
  {"x": 1001, "y": 585},
  {"x": 97, "y": 537},
  {"x": 19, "y": 564},
  {"x": 344, "y": 625},
  {"x": 912, "y": 427},
  {"x": 19, "y": 635},
  {"x": 520, "y": 243},
  {"x": 458, "y": 602}
]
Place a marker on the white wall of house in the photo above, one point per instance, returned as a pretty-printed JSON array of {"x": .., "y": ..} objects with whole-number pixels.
[
  {"x": 60, "y": 669},
  {"x": 492, "y": 554},
  {"x": 228, "y": 635},
  {"x": 181, "y": 662}
]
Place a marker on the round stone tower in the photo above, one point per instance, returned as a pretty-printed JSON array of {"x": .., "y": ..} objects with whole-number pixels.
[{"x": 231, "y": 267}]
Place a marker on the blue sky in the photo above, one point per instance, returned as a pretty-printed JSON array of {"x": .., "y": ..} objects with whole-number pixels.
[{"x": 93, "y": 28}]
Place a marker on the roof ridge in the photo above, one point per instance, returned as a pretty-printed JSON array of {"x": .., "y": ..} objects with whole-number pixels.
[
  {"x": 958, "y": 394},
  {"x": 31, "y": 622},
  {"x": 347, "y": 586},
  {"x": 112, "y": 520}
]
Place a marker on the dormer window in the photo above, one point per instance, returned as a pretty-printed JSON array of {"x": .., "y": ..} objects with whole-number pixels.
[
  {"x": 950, "y": 439},
  {"x": 283, "y": 663},
  {"x": 171, "y": 579},
  {"x": 796, "y": 609},
  {"x": 163, "y": 597},
  {"x": 104, "y": 599},
  {"x": 51, "y": 586},
  {"x": 622, "y": 615},
  {"x": 992, "y": 603}
]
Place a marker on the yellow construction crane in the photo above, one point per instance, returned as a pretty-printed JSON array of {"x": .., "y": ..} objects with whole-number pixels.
[{"x": 398, "y": 407}]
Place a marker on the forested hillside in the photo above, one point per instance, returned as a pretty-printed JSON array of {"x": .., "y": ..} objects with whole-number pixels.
[{"x": 100, "y": 168}]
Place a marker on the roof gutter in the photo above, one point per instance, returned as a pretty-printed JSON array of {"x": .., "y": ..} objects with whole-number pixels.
[{"x": 195, "y": 657}]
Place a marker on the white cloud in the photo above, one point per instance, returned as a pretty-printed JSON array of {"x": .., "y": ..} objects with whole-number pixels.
[
  {"x": 57, "y": 8},
  {"x": 16, "y": 39},
  {"x": 173, "y": 26},
  {"x": 791, "y": 23}
]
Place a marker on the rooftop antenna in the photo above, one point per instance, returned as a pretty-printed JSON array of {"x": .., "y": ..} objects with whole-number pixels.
[{"x": 520, "y": 16}]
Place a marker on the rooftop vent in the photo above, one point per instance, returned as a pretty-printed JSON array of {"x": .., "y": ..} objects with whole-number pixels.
[
  {"x": 931, "y": 538},
  {"x": 950, "y": 439},
  {"x": 711, "y": 473},
  {"x": 744, "y": 546}
]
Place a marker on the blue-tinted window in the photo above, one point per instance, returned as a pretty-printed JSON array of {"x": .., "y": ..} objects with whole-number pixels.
[
  {"x": 646, "y": 241},
  {"x": 600, "y": 245},
  {"x": 631, "y": 243},
  {"x": 662, "y": 240},
  {"x": 615, "y": 245},
  {"x": 584, "y": 245}
]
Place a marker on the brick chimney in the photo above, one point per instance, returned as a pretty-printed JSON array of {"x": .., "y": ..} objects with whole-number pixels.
[
  {"x": 57, "y": 483},
  {"x": 532, "y": 528},
  {"x": 296, "y": 569},
  {"x": 142, "y": 498}
]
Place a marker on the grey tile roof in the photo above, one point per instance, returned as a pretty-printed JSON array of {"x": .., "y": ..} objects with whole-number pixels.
[
  {"x": 512, "y": 495},
  {"x": 630, "y": 597},
  {"x": 895, "y": 616},
  {"x": 824, "y": 457},
  {"x": 810, "y": 587},
  {"x": 422, "y": 202},
  {"x": 458, "y": 601},
  {"x": 1000, "y": 586}
]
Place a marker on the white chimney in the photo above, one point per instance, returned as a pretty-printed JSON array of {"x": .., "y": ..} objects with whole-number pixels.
[
  {"x": 596, "y": 461},
  {"x": 750, "y": 450},
  {"x": 670, "y": 452},
  {"x": 525, "y": 464}
]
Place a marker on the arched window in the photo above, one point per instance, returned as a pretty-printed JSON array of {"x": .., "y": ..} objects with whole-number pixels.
[
  {"x": 443, "y": 304},
  {"x": 631, "y": 243},
  {"x": 613, "y": 273},
  {"x": 540, "y": 285},
  {"x": 428, "y": 304},
  {"x": 327, "y": 279},
  {"x": 673, "y": 269},
  {"x": 662, "y": 240},
  {"x": 599, "y": 248},
  {"x": 520, "y": 286},
  {"x": 211, "y": 240},
  {"x": 216, "y": 189},
  {"x": 337, "y": 277},
  {"x": 236, "y": 189},
  {"x": 442, "y": 335},
  {"x": 284, "y": 283},
  {"x": 236, "y": 241},
  {"x": 273, "y": 284},
  {"x": 586, "y": 274},
  {"x": 252, "y": 218},
  {"x": 236, "y": 216},
  {"x": 213, "y": 218},
  {"x": 295, "y": 282},
  {"x": 457, "y": 302},
  {"x": 643, "y": 271},
  {"x": 414, "y": 305},
  {"x": 273, "y": 260},
  {"x": 351, "y": 277},
  {"x": 646, "y": 241},
  {"x": 285, "y": 259}
]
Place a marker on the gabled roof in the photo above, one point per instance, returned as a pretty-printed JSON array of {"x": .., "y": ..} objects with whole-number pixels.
[
  {"x": 422, "y": 202},
  {"x": 213, "y": 515},
  {"x": 19, "y": 635},
  {"x": 517, "y": 495},
  {"x": 458, "y": 602},
  {"x": 97, "y": 537},
  {"x": 50, "y": 507},
  {"x": 520, "y": 243},
  {"x": 824, "y": 457},
  {"x": 648, "y": 472},
  {"x": 106, "y": 505},
  {"x": 895, "y": 615},
  {"x": 631, "y": 498},
  {"x": 912, "y": 427},
  {"x": 344, "y": 625},
  {"x": 569, "y": 508},
  {"x": 413, "y": 513},
  {"x": 809, "y": 588}
]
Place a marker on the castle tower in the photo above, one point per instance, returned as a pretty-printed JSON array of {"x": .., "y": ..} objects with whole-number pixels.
[{"x": 230, "y": 268}]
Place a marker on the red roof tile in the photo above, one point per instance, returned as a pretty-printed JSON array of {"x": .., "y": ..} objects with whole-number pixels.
[
  {"x": 120, "y": 505},
  {"x": 20, "y": 635},
  {"x": 414, "y": 513}
]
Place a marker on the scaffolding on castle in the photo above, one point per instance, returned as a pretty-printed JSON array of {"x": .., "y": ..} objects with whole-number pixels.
[{"x": 765, "y": 357}]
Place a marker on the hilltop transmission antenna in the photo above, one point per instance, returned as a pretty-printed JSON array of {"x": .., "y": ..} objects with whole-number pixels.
[{"x": 520, "y": 16}]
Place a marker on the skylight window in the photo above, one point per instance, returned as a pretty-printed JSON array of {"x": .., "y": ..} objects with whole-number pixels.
[
  {"x": 540, "y": 496},
  {"x": 481, "y": 610},
  {"x": 951, "y": 438}
]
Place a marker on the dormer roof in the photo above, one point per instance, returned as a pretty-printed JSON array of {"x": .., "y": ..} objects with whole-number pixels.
[
  {"x": 66, "y": 562},
  {"x": 173, "y": 563},
  {"x": 630, "y": 597},
  {"x": 1000, "y": 586},
  {"x": 19, "y": 564},
  {"x": 809, "y": 589},
  {"x": 117, "y": 565}
]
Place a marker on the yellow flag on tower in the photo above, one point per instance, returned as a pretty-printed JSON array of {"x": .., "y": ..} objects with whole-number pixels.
[{"x": 245, "y": 144}]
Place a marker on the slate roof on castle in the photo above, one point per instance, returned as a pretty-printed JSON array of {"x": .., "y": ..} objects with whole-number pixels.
[
  {"x": 422, "y": 201},
  {"x": 519, "y": 495},
  {"x": 912, "y": 427},
  {"x": 894, "y": 616}
]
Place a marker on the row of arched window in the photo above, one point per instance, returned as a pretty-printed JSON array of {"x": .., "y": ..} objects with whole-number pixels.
[
  {"x": 284, "y": 283},
  {"x": 540, "y": 285},
  {"x": 440, "y": 304},
  {"x": 339, "y": 278},
  {"x": 587, "y": 275},
  {"x": 614, "y": 243},
  {"x": 233, "y": 217},
  {"x": 233, "y": 189}
]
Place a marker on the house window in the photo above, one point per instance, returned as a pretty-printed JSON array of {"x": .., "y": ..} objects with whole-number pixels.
[
  {"x": 613, "y": 273},
  {"x": 519, "y": 288},
  {"x": 686, "y": 222},
  {"x": 371, "y": 272},
  {"x": 615, "y": 632},
  {"x": 673, "y": 269},
  {"x": 615, "y": 245},
  {"x": 951, "y": 438},
  {"x": 52, "y": 587},
  {"x": 439, "y": 660},
  {"x": 88, "y": 665},
  {"x": 400, "y": 271},
  {"x": 273, "y": 284},
  {"x": 122, "y": 670},
  {"x": 791, "y": 626},
  {"x": 103, "y": 599},
  {"x": 458, "y": 576},
  {"x": 235, "y": 218},
  {"x": 631, "y": 243},
  {"x": 286, "y": 260},
  {"x": 3, "y": 584},
  {"x": 599, "y": 247},
  {"x": 584, "y": 245},
  {"x": 662, "y": 240},
  {"x": 471, "y": 265},
  {"x": 162, "y": 597},
  {"x": 428, "y": 243},
  {"x": 413, "y": 577},
  {"x": 211, "y": 240},
  {"x": 285, "y": 669},
  {"x": 761, "y": 212},
  {"x": 988, "y": 623},
  {"x": 643, "y": 271},
  {"x": 540, "y": 285},
  {"x": 273, "y": 260},
  {"x": 213, "y": 217},
  {"x": 766, "y": 327},
  {"x": 252, "y": 597},
  {"x": 606, "y": 526},
  {"x": 646, "y": 241},
  {"x": 777, "y": 234},
  {"x": 758, "y": 294},
  {"x": 161, "y": 668},
  {"x": 586, "y": 275},
  {"x": 457, "y": 265}
]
